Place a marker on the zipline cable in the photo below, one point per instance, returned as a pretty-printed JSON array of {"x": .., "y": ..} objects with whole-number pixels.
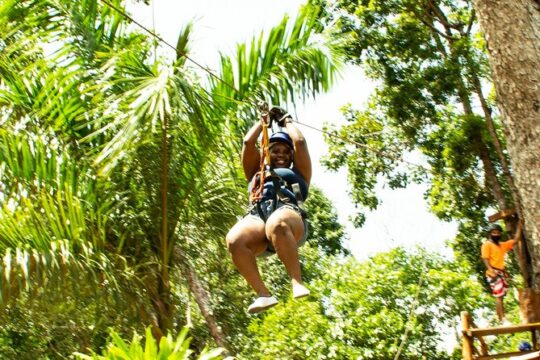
[
  {"x": 163, "y": 41},
  {"x": 160, "y": 39},
  {"x": 357, "y": 143},
  {"x": 335, "y": 135}
]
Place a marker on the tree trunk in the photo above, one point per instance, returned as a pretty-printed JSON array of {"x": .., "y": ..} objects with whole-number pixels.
[
  {"x": 163, "y": 306},
  {"x": 529, "y": 303},
  {"x": 512, "y": 30},
  {"x": 492, "y": 181},
  {"x": 521, "y": 250},
  {"x": 514, "y": 46},
  {"x": 496, "y": 142},
  {"x": 163, "y": 301},
  {"x": 490, "y": 174},
  {"x": 202, "y": 300}
]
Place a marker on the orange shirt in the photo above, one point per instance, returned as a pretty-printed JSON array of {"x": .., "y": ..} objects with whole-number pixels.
[{"x": 495, "y": 253}]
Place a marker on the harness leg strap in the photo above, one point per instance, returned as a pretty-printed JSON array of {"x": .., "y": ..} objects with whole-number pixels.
[{"x": 299, "y": 198}]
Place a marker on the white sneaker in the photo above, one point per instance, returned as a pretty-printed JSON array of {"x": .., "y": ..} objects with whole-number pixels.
[
  {"x": 262, "y": 303},
  {"x": 299, "y": 291}
]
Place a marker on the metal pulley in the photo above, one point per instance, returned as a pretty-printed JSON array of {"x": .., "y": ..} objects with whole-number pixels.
[{"x": 263, "y": 107}]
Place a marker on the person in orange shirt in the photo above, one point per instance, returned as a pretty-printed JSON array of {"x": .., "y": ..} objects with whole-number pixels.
[{"x": 493, "y": 255}]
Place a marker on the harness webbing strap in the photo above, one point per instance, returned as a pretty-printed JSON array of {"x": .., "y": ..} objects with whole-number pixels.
[
  {"x": 277, "y": 181},
  {"x": 298, "y": 196},
  {"x": 265, "y": 154},
  {"x": 258, "y": 186}
]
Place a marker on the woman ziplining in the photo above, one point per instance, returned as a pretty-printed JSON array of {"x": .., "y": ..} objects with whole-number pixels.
[{"x": 279, "y": 175}]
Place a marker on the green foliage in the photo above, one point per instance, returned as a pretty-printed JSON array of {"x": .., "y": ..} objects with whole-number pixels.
[
  {"x": 116, "y": 168},
  {"x": 431, "y": 70},
  {"x": 372, "y": 150},
  {"x": 53, "y": 321},
  {"x": 167, "y": 348},
  {"x": 287, "y": 63},
  {"x": 388, "y": 294},
  {"x": 325, "y": 231},
  {"x": 362, "y": 310},
  {"x": 296, "y": 330}
]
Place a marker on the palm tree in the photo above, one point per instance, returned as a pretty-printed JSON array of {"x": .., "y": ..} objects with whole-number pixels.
[{"x": 119, "y": 168}]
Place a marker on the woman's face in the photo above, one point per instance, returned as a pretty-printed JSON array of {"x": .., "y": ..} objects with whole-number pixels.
[{"x": 280, "y": 155}]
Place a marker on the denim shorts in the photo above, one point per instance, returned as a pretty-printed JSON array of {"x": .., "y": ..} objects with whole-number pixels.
[{"x": 255, "y": 214}]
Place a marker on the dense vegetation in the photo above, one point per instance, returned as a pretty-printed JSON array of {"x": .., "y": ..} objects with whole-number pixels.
[{"x": 119, "y": 179}]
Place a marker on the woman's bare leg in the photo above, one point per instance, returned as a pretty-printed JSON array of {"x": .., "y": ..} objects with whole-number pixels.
[
  {"x": 245, "y": 241},
  {"x": 284, "y": 228}
]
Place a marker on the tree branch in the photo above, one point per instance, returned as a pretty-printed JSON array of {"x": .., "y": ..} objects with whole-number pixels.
[
  {"x": 430, "y": 25},
  {"x": 471, "y": 21},
  {"x": 444, "y": 20}
]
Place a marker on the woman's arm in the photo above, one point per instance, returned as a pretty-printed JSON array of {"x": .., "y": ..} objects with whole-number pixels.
[
  {"x": 250, "y": 153},
  {"x": 302, "y": 160}
]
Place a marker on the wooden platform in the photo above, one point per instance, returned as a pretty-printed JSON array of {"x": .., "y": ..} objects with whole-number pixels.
[
  {"x": 471, "y": 332},
  {"x": 531, "y": 356},
  {"x": 517, "y": 355},
  {"x": 499, "y": 330}
]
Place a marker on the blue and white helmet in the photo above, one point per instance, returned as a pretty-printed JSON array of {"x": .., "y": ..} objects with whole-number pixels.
[{"x": 282, "y": 137}]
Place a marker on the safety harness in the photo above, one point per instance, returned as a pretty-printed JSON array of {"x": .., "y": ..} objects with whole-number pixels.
[{"x": 266, "y": 173}]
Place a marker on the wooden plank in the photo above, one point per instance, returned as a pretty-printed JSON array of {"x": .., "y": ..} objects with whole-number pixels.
[
  {"x": 502, "y": 330},
  {"x": 532, "y": 356},
  {"x": 483, "y": 345},
  {"x": 501, "y": 215},
  {"x": 507, "y": 355},
  {"x": 467, "y": 350}
]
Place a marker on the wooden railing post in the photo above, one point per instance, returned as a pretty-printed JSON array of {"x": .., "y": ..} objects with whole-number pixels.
[{"x": 467, "y": 340}]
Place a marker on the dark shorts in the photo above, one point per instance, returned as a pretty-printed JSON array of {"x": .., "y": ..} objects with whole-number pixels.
[
  {"x": 498, "y": 283},
  {"x": 270, "y": 248}
]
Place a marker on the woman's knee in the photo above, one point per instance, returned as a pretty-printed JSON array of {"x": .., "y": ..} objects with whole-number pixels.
[
  {"x": 284, "y": 224},
  {"x": 235, "y": 241},
  {"x": 279, "y": 227},
  {"x": 253, "y": 240}
]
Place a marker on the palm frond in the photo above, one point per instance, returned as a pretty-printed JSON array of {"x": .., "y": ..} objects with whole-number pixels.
[
  {"x": 289, "y": 62},
  {"x": 206, "y": 217},
  {"x": 134, "y": 113},
  {"x": 26, "y": 270},
  {"x": 40, "y": 89},
  {"x": 51, "y": 219},
  {"x": 169, "y": 348},
  {"x": 154, "y": 93},
  {"x": 35, "y": 162},
  {"x": 182, "y": 45}
]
